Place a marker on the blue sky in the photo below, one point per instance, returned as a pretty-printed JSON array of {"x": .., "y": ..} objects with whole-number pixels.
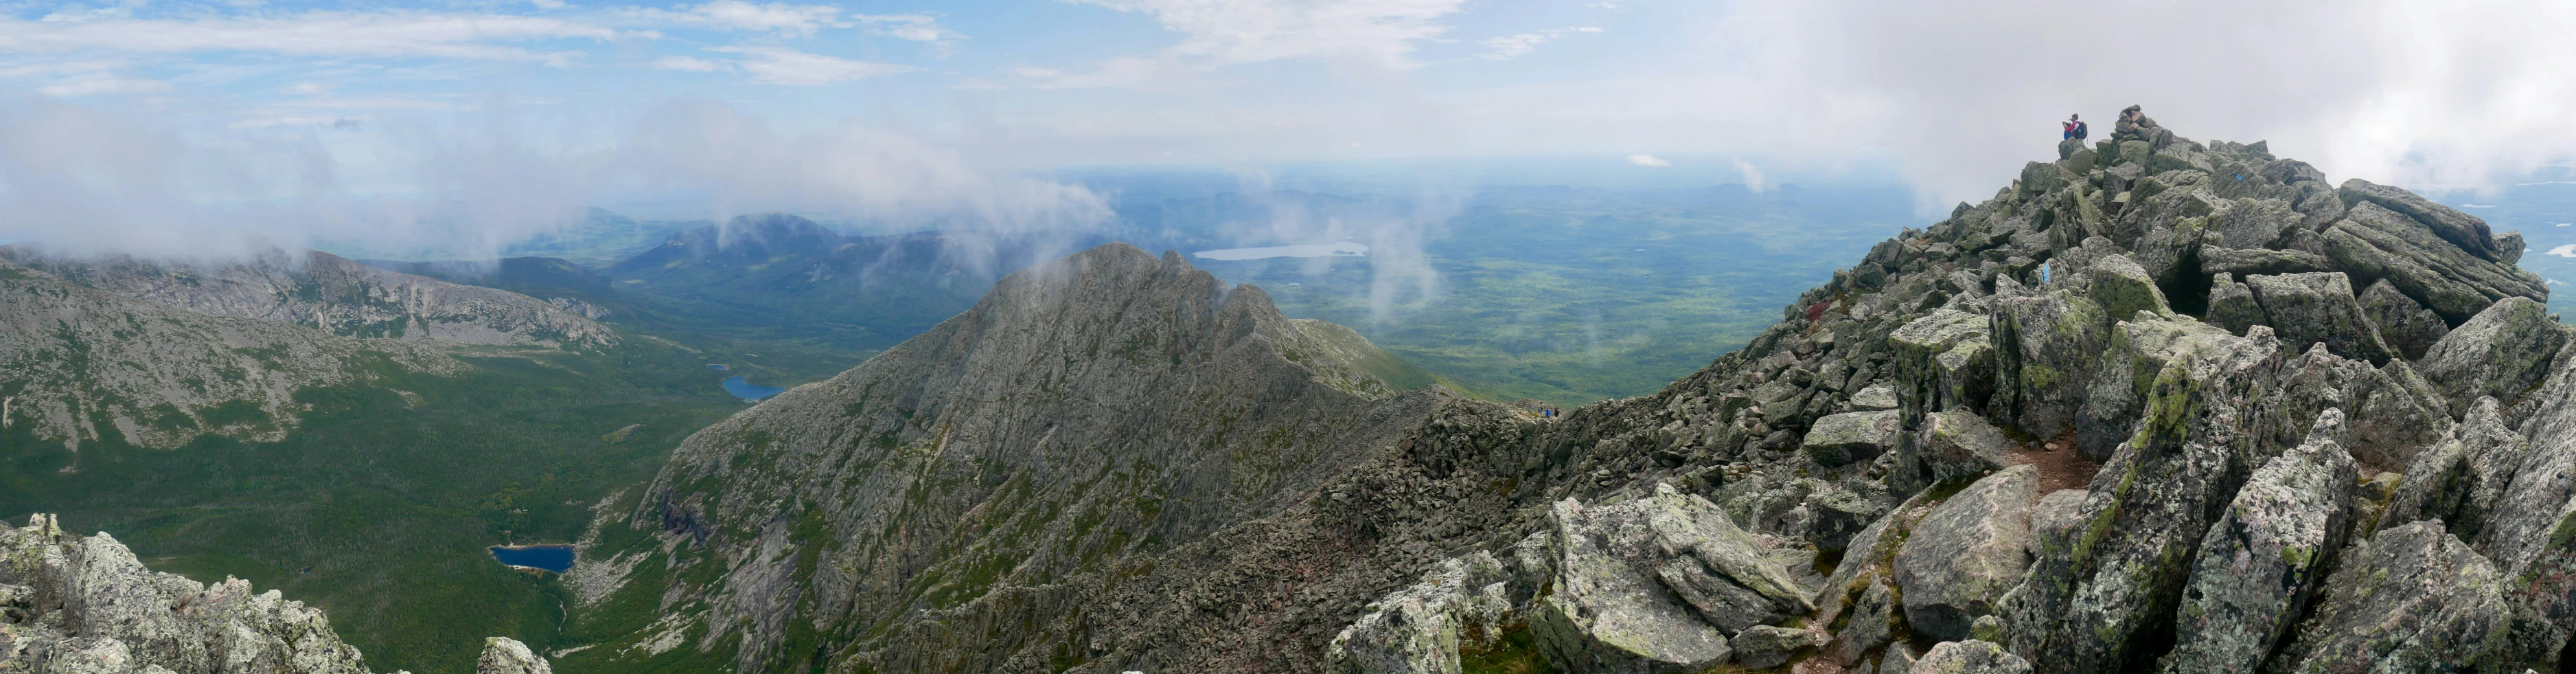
[{"x": 153, "y": 124}]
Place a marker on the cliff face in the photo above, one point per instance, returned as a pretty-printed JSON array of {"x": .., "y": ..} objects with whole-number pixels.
[
  {"x": 81, "y": 363},
  {"x": 1088, "y": 412},
  {"x": 84, "y": 606},
  {"x": 342, "y": 297},
  {"x": 2158, "y": 405}
]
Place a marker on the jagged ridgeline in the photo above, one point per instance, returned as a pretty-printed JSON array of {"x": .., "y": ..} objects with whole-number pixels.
[{"x": 2157, "y": 406}]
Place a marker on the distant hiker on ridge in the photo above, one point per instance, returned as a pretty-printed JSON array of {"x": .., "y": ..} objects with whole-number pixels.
[
  {"x": 2135, "y": 125},
  {"x": 2075, "y": 128}
]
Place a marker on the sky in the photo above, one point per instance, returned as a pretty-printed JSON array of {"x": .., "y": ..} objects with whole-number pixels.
[{"x": 184, "y": 127}]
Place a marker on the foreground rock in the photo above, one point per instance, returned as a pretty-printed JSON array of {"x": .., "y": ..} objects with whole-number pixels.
[
  {"x": 1658, "y": 584},
  {"x": 1418, "y": 630},
  {"x": 1964, "y": 555},
  {"x": 504, "y": 655},
  {"x": 2259, "y": 568},
  {"x": 1969, "y": 657},
  {"x": 2413, "y": 599},
  {"x": 85, "y": 606}
]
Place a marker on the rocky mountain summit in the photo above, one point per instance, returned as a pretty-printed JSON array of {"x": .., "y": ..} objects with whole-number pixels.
[
  {"x": 2172, "y": 406},
  {"x": 339, "y": 296}
]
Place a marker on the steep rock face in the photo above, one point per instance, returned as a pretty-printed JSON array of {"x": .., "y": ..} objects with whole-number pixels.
[
  {"x": 82, "y": 362},
  {"x": 85, "y": 605},
  {"x": 1102, "y": 408},
  {"x": 2259, "y": 567},
  {"x": 321, "y": 290}
]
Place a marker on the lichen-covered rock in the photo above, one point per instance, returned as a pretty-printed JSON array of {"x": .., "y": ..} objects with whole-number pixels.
[
  {"x": 2055, "y": 515},
  {"x": 2098, "y": 590},
  {"x": 1838, "y": 439},
  {"x": 2123, "y": 289},
  {"x": 1765, "y": 646},
  {"x": 2138, "y": 350},
  {"x": 2046, "y": 349},
  {"x": 1964, "y": 555},
  {"x": 2373, "y": 242},
  {"x": 1418, "y": 629},
  {"x": 2406, "y": 326},
  {"x": 2261, "y": 564},
  {"x": 2462, "y": 480},
  {"x": 2504, "y": 352},
  {"x": 2466, "y": 231},
  {"x": 2232, "y": 306},
  {"x": 1859, "y": 594},
  {"x": 1655, "y": 584},
  {"x": 1835, "y": 514},
  {"x": 2217, "y": 260},
  {"x": 1874, "y": 397},
  {"x": 90, "y": 606},
  {"x": 504, "y": 655},
  {"x": 1950, "y": 446},
  {"x": 2412, "y": 599},
  {"x": 2306, "y": 309},
  {"x": 1970, "y": 657},
  {"x": 1943, "y": 361}
]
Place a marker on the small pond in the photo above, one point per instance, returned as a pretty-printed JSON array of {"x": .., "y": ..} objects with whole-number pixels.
[
  {"x": 718, "y": 368},
  {"x": 1345, "y": 248},
  {"x": 556, "y": 558},
  {"x": 741, "y": 387}
]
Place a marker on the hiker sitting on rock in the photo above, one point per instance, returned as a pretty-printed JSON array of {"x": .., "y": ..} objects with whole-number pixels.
[
  {"x": 2135, "y": 125},
  {"x": 2075, "y": 128}
]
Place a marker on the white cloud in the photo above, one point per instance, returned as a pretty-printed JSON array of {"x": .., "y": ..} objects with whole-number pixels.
[
  {"x": 1220, "y": 33},
  {"x": 779, "y": 65},
  {"x": 914, "y": 27},
  {"x": 685, "y": 63},
  {"x": 1509, "y": 46},
  {"x": 1648, "y": 160},
  {"x": 102, "y": 84},
  {"x": 1753, "y": 179},
  {"x": 738, "y": 15},
  {"x": 398, "y": 33}
]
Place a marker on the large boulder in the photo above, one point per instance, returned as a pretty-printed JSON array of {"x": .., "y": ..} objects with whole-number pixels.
[
  {"x": 504, "y": 655},
  {"x": 2466, "y": 231},
  {"x": 1859, "y": 595},
  {"x": 2462, "y": 480},
  {"x": 1766, "y": 646},
  {"x": 2218, "y": 260},
  {"x": 1944, "y": 360},
  {"x": 2261, "y": 564},
  {"x": 2412, "y": 599},
  {"x": 1969, "y": 657},
  {"x": 1655, "y": 584},
  {"x": 1951, "y": 446},
  {"x": 2373, "y": 242},
  {"x": 2232, "y": 306},
  {"x": 2123, "y": 288},
  {"x": 2406, "y": 326},
  {"x": 2503, "y": 352},
  {"x": 1838, "y": 439},
  {"x": 1964, "y": 555},
  {"x": 2306, "y": 309},
  {"x": 2100, "y": 593},
  {"x": 2139, "y": 348},
  {"x": 2046, "y": 347},
  {"x": 1418, "y": 629}
]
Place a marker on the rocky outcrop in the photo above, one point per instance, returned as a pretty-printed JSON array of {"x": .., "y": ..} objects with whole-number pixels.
[
  {"x": 81, "y": 362},
  {"x": 321, "y": 290},
  {"x": 2317, "y": 308},
  {"x": 1969, "y": 657},
  {"x": 2413, "y": 599},
  {"x": 2258, "y": 569},
  {"x": 1657, "y": 584},
  {"x": 1418, "y": 630},
  {"x": 2376, "y": 243},
  {"x": 1966, "y": 553},
  {"x": 2503, "y": 352},
  {"x": 79, "y": 605},
  {"x": 504, "y": 655},
  {"x": 2408, "y": 328}
]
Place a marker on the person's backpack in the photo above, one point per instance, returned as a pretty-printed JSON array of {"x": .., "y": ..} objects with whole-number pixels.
[{"x": 2081, "y": 130}]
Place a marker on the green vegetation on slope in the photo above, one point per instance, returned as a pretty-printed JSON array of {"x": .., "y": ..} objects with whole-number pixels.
[{"x": 389, "y": 492}]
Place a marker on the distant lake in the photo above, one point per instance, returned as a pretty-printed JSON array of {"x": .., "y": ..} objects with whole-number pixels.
[
  {"x": 1311, "y": 250},
  {"x": 742, "y": 388},
  {"x": 556, "y": 558},
  {"x": 719, "y": 368}
]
